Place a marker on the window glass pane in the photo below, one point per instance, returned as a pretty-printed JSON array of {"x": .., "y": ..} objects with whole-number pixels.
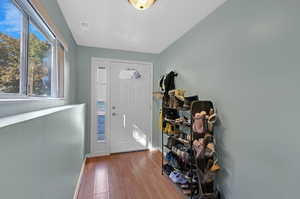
[
  {"x": 10, "y": 40},
  {"x": 101, "y": 127},
  {"x": 101, "y": 102},
  {"x": 39, "y": 63}
]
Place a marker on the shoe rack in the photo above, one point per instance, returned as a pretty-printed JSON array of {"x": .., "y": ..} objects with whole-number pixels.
[{"x": 197, "y": 168}]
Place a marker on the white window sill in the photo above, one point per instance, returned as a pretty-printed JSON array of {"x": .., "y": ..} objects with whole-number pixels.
[{"x": 29, "y": 99}]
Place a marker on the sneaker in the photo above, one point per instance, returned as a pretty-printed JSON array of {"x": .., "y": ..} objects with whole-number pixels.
[
  {"x": 168, "y": 169},
  {"x": 177, "y": 178}
]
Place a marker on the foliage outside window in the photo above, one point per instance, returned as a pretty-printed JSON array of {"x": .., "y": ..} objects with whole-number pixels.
[
  {"x": 29, "y": 62},
  {"x": 10, "y": 42}
]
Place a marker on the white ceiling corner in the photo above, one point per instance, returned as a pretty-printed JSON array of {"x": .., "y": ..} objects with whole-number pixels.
[{"x": 115, "y": 24}]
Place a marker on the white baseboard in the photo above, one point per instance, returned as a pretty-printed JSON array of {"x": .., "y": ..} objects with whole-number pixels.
[
  {"x": 156, "y": 149},
  {"x": 99, "y": 154},
  {"x": 75, "y": 196}
]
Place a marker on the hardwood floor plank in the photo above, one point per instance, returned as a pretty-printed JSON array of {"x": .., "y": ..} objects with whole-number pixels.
[{"x": 135, "y": 175}]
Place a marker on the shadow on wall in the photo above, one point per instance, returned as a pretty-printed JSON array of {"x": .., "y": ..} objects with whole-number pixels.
[{"x": 224, "y": 159}]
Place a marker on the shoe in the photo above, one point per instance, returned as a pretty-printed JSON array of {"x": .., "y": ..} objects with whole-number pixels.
[
  {"x": 208, "y": 177},
  {"x": 188, "y": 101},
  {"x": 169, "y": 156},
  {"x": 179, "y": 120},
  {"x": 172, "y": 161},
  {"x": 183, "y": 140},
  {"x": 177, "y": 178},
  {"x": 168, "y": 169},
  {"x": 179, "y": 94},
  {"x": 171, "y": 142},
  {"x": 172, "y": 99},
  {"x": 187, "y": 192},
  {"x": 215, "y": 168},
  {"x": 210, "y": 163},
  {"x": 208, "y": 138},
  {"x": 209, "y": 150},
  {"x": 185, "y": 186},
  {"x": 166, "y": 129},
  {"x": 211, "y": 120},
  {"x": 198, "y": 146},
  {"x": 171, "y": 113},
  {"x": 172, "y": 129}
]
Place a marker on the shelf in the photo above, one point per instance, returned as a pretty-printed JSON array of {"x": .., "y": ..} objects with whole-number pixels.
[
  {"x": 183, "y": 127},
  {"x": 170, "y": 108},
  {"x": 178, "y": 109},
  {"x": 174, "y": 123},
  {"x": 186, "y": 124},
  {"x": 179, "y": 140},
  {"x": 170, "y": 121},
  {"x": 186, "y": 142},
  {"x": 169, "y": 134},
  {"x": 174, "y": 133}
]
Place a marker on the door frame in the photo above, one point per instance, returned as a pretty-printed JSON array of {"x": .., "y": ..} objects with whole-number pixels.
[{"x": 103, "y": 147}]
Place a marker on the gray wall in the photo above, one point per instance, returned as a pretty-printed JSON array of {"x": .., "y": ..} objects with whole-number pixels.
[
  {"x": 41, "y": 158},
  {"x": 13, "y": 108},
  {"x": 84, "y": 55},
  {"x": 245, "y": 57}
]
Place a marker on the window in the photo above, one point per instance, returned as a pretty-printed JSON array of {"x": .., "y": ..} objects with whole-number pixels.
[
  {"x": 10, "y": 42},
  {"x": 31, "y": 58},
  {"x": 40, "y": 53},
  {"x": 101, "y": 85}
]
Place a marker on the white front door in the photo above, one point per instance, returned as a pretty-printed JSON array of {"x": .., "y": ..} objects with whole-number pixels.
[{"x": 130, "y": 107}]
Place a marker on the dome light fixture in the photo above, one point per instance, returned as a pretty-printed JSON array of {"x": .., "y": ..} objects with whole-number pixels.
[{"x": 141, "y": 4}]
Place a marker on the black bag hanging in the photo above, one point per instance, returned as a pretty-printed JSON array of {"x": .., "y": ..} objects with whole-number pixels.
[
  {"x": 161, "y": 84},
  {"x": 169, "y": 82}
]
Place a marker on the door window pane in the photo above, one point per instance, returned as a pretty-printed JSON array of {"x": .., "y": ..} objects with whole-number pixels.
[
  {"x": 39, "y": 63},
  {"x": 10, "y": 40},
  {"x": 101, "y": 127},
  {"x": 101, "y": 102}
]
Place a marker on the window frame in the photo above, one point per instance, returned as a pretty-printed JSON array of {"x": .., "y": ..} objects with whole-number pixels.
[{"x": 31, "y": 15}]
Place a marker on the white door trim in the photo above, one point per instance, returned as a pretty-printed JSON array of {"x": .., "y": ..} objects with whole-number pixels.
[{"x": 105, "y": 148}]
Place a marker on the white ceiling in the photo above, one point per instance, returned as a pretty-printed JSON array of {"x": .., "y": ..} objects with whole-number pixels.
[{"x": 115, "y": 24}]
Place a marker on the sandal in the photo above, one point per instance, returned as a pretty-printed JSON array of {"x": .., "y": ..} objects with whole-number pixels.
[{"x": 198, "y": 125}]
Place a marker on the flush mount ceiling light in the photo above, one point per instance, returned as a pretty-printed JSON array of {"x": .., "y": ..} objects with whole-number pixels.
[{"x": 141, "y": 4}]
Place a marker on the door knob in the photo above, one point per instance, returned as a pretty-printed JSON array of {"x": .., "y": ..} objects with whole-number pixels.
[{"x": 114, "y": 114}]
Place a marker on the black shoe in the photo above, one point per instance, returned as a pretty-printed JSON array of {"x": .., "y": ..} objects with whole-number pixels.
[{"x": 188, "y": 101}]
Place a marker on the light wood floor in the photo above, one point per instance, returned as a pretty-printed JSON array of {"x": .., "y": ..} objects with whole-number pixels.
[{"x": 134, "y": 175}]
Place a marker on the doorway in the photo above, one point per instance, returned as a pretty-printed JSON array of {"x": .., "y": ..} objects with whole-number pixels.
[{"x": 121, "y": 106}]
